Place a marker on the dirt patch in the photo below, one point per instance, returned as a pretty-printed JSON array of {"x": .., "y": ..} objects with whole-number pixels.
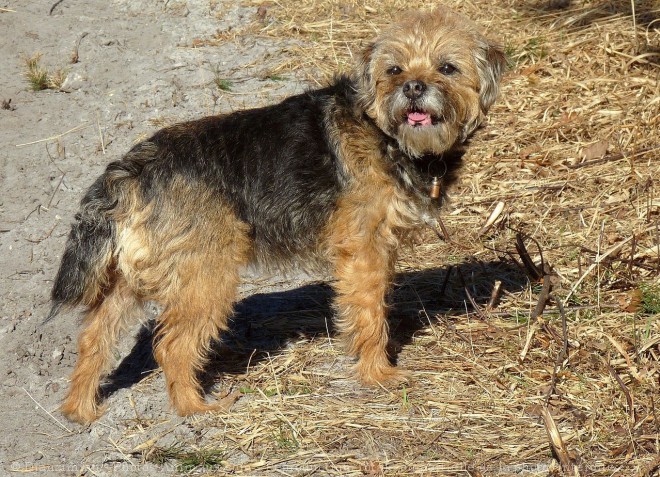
[{"x": 135, "y": 70}]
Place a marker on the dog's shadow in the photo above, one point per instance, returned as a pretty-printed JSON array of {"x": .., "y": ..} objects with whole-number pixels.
[{"x": 263, "y": 324}]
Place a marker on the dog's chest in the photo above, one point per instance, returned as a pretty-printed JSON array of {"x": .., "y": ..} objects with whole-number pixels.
[{"x": 410, "y": 209}]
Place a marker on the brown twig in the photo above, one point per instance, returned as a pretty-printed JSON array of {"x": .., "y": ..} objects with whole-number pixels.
[
  {"x": 494, "y": 295},
  {"x": 444, "y": 229},
  {"x": 549, "y": 279},
  {"x": 54, "y": 6},
  {"x": 476, "y": 307},
  {"x": 530, "y": 267},
  {"x": 630, "y": 262},
  {"x": 41, "y": 239},
  {"x": 443, "y": 287},
  {"x": 445, "y": 235},
  {"x": 558, "y": 445},
  {"x": 543, "y": 298},
  {"x": 624, "y": 388},
  {"x": 611, "y": 158},
  {"x": 55, "y": 191},
  {"x": 75, "y": 57},
  {"x": 562, "y": 354}
]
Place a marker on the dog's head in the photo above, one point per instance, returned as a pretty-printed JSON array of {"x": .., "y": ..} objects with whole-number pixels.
[{"x": 429, "y": 80}]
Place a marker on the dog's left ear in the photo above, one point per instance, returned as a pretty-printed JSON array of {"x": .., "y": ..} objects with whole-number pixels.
[{"x": 491, "y": 62}]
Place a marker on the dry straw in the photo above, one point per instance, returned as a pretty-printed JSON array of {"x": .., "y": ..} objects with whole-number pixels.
[{"x": 569, "y": 161}]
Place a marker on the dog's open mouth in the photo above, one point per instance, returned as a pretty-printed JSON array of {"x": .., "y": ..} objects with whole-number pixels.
[{"x": 417, "y": 118}]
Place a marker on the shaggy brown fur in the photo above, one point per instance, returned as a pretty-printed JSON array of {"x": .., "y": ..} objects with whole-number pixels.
[{"x": 338, "y": 176}]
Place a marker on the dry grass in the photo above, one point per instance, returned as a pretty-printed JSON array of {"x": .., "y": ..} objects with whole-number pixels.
[
  {"x": 572, "y": 153},
  {"x": 41, "y": 78}
]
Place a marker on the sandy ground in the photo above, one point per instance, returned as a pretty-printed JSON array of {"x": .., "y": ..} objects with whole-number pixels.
[{"x": 136, "y": 71}]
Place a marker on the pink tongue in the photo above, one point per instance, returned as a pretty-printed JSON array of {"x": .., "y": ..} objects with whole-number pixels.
[{"x": 419, "y": 118}]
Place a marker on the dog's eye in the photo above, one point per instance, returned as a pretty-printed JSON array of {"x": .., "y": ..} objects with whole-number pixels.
[
  {"x": 447, "y": 69},
  {"x": 394, "y": 70}
]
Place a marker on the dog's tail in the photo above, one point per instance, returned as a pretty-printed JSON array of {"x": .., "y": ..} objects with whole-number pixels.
[{"x": 87, "y": 267}]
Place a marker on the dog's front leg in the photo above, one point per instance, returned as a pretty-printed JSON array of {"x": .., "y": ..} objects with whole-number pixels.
[{"x": 364, "y": 256}]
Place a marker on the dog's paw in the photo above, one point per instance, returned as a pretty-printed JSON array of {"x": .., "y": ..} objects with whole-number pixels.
[
  {"x": 384, "y": 376},
  {"x": 201, "y": 406},
  {"x": 82, "y": 412}
]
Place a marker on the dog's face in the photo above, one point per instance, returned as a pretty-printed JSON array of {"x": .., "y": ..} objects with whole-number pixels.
[{"x": 429, "y": 80}]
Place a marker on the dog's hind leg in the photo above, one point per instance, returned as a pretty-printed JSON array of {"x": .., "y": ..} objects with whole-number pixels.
[
  {"x": 198, "y": 304},
  {"x": 194, "y": 316},
  {"x": 103, "y": 323}
]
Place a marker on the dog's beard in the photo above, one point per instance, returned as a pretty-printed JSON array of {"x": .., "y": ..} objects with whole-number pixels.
[{"x": 427, "y": 125}]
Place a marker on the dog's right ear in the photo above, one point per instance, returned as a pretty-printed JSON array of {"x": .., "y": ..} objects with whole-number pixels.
[{"x": 362, "y": 75}]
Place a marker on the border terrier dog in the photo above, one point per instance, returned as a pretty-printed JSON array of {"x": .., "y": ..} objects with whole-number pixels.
[{"x": 337, "y": 177}]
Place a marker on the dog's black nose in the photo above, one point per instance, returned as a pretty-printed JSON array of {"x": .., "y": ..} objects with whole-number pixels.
[{"x": 414, "y": 89}]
